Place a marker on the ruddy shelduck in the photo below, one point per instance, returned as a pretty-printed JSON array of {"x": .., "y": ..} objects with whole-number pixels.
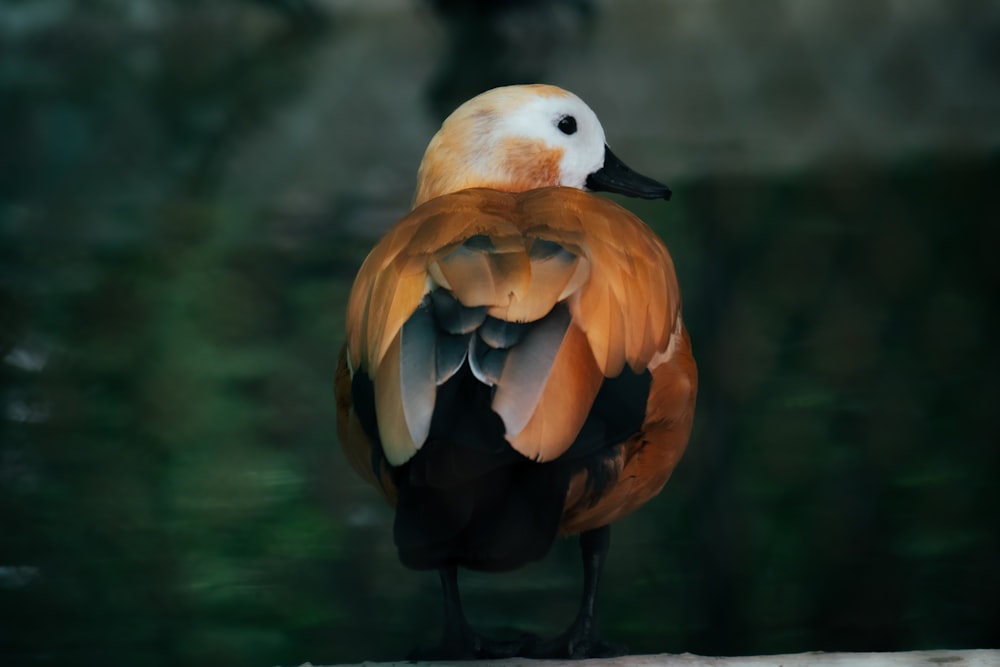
[{"x": 516, "y": 366}]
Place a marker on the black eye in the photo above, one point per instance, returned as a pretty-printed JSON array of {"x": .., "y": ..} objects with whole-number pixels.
[{"x": 567, "y": 125}]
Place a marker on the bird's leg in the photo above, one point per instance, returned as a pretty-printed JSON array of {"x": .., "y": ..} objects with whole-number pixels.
[
  {"x": 580, "y": 640},
  {"x": 460, "y": 641}
]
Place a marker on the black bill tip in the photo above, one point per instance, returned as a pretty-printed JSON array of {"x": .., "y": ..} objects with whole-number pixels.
[{"x": 616, "y": 176}]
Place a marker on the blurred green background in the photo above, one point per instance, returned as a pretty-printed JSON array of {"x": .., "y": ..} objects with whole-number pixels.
[{"x": 186, "y": 192}]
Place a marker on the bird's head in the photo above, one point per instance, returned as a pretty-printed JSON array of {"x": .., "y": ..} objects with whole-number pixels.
[{"x": 518, "y": 138}]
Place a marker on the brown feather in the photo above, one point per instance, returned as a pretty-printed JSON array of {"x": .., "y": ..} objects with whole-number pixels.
[
  {"x": 551, "y": 280},
  {"x": 564, "y": 402},
  {"x": 647, "y": 458},
  {"x": 395, "y": 295},
  {"x": 617, "y": 257},
  {"x": 393, "y": 430}
]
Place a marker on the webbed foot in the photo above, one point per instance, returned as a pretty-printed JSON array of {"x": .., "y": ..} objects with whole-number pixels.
[
  {"x": 580, "y": 641},
  {"x": 466, "y": 644}
]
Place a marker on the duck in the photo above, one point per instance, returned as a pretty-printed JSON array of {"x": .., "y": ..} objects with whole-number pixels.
[{"x": 516, "y": 368}]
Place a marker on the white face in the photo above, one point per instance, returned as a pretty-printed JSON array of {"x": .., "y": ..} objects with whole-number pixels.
[{"x": 565, "y": 123}]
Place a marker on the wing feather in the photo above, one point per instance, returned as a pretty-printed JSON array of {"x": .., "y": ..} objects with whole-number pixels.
[
  {"x": 594, "y": 317},
  {"x": 517, "y": 256},
  {"x": 616, "y": 338},
  {"x": 550, "y": 276},
  {"x": 450, "y": 354},
  {"x": 527, "y": 371},
  {"x": 393, "y": 430},
  {"x": 397, "y": 293},
  {"x": 639, "y": 341},
  {"x": 562, "y": 405},
  {"x": 470, "y": 276},
  {"x": 512, "y": 275},
  {"x": 418, "y": 373}
]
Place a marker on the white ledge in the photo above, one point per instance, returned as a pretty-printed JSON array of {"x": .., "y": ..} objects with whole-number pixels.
[{"x": 965, "y": 658}]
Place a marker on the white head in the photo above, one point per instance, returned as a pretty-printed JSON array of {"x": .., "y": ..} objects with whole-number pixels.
[{"x": 519, "y": 138}]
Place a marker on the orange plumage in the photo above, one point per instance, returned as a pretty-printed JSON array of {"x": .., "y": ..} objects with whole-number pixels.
[{"x": 515, "y": 338}]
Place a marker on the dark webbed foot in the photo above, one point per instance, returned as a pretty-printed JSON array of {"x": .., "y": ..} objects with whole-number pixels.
[
  {"x": 460, "y": 641},
  {"x": 581, "y": 640},
  {"x": 469, "y": 645}
]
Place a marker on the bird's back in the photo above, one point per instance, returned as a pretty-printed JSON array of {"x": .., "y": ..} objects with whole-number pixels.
[{"x": 516, "y": 367}]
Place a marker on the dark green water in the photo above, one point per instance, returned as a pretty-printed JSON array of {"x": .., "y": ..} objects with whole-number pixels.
[{"x": 172, "y": 491}]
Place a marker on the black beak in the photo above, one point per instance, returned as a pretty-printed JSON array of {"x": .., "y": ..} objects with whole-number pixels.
[{"x": 615, "y": 176}]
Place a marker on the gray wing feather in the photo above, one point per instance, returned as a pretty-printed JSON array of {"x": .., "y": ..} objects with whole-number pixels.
[
  {"x": 450, "y": 355},
  {"x": 452, "y": 316},
  {"x": 527, "y": 369},
  {"x": 501, "y": 334},
  {"x": 418, "y": 372}
]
